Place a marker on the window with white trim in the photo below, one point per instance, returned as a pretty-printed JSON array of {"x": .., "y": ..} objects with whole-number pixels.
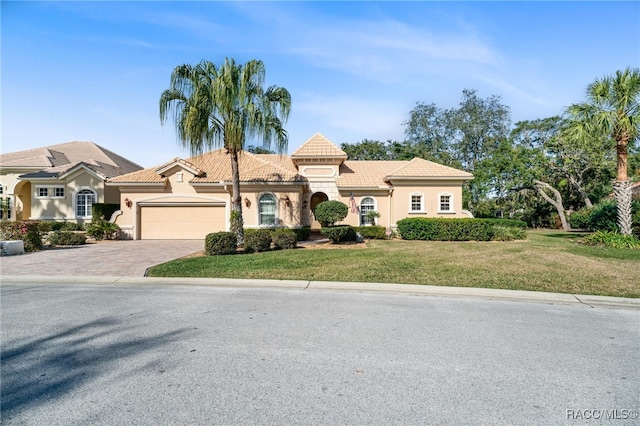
[
  {"x": 417, "y": 203},
  {"x": 445, "y": 203},
  {"x": 85, "y": 199},
  {"x": 50, "y": 191},
  {"x": 1, "y": 189},
  {"x": 267, "y": 210},
  {"x": 367, "y": 204}
]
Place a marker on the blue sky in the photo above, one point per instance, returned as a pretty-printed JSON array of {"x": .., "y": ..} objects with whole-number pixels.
[{"x": 95, "y": 70}]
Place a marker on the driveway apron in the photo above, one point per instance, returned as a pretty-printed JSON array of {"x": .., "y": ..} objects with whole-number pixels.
[{"x": 111, "y": 258}]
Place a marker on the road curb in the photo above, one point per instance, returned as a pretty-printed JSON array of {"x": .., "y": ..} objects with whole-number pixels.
[{"x": 415, "y": 289}]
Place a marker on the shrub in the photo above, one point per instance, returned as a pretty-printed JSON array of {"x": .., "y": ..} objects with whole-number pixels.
[
  {"x": 103, "y": 230},
  {"x": 372, "y": 216},
  {"x": 28, "y": 231},
  {"x": 329, "y": 213},
  {"x": 508, "y": 233},
  {"x": 372, "y": 232},
  {"x": 604, "y": 217},
  {"x": 220, "y": 243},
  {"x": 284, "y": 239},
  {"x": 339, "y": 234},
  {"x": 580, "y": 219},
  {"x": 612, "y": 240},
  {"x": 437, "y": 229},
  {"x": 71, "y": 226},
  {"x": 257, "y": 240},
  {"x": 302, "y": 233},
  {"x": 103, "y": 211},
  {"x": 67, "y": 238}
]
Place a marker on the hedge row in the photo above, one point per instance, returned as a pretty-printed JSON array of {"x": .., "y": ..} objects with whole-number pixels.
[
  {"x": 255, "y": 240},
  {"x": 431, "y": 229},
  {"x": 339, "y": 234},
  {"x": 300, "y": 233},
  {"x": 372, "y": 232}
]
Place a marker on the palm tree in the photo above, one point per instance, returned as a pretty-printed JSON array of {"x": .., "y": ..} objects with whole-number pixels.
[
  {"x": 223, "y": 106},
  {"x": 613, "y": 109}
]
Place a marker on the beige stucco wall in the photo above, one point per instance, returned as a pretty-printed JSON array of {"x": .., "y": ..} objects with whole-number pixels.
[
  {"x": 431, "y": 191},
  {"x": 292, "y": 210},
  {"x": 289, "y": 200},
  {"x": 15, "y": 191},
  {"x": 54, "y": 208},
  {"x": 382, "y": 203}
]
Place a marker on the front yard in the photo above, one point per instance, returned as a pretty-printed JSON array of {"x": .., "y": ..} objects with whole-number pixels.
[{"x": 546, "y": 261}]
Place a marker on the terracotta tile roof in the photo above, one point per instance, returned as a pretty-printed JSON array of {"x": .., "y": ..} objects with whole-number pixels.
[
  {"x": 216, "y": 168},
  {"x": 63, "y": 157},
  {"x": 318, "y": 146},
  {"x": 419, "y": 167},
  {"x": 366, "y": 174}
]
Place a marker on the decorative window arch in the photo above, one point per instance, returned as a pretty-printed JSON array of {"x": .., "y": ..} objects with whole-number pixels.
[
  {"x": 416, "y": 202},
  {"x": 267, "y": 210},
  {"x": 83, "y": 200},
  {"x": 445, "y": 202},
  {"x": 367, "y": 204}
]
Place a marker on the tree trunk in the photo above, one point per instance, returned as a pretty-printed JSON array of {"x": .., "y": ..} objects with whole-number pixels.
[
  {"x": 237, "y": 223},
  {"x": 556, "y": 201},
  {"x": 622, "y": 191},
  {"x": 578, "y": 187},
  {"x": 622, "y": 154},
  {"x": 622, "y": 186}
]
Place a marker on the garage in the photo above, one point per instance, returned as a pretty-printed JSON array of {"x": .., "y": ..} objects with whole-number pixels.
[{"x": 181, "y": 222}]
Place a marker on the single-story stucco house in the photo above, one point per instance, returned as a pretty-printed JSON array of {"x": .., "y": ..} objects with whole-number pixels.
[
  {"x": 59, "y": 182},
  {"x": 189, "y": 198}
]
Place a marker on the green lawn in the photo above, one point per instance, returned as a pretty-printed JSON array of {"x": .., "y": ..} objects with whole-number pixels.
[{"x": 547, "y": 261}]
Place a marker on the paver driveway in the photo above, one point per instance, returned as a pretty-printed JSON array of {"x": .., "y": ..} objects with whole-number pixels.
[{"x": 115, "y": 258}]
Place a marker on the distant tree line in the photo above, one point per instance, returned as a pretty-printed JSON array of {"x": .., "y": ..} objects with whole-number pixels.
[{"x": 535, "y": 170}]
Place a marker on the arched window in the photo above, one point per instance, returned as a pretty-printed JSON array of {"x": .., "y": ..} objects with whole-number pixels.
[
  {"x": 267, "y": 210},
  {"x": 84, "y": 203},
  {"x": 367, "y": 204}
]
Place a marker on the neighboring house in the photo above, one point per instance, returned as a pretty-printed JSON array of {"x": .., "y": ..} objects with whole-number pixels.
[
  {"x": 59, "y": 182},
  {"x": 191, "y": 198}
]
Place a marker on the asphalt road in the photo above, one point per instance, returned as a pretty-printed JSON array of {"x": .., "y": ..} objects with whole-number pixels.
[{"x": 163, "y": 354}]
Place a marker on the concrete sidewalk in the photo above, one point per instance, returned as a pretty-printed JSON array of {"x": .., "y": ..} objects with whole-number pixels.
[{"x": 419, "y": 290}]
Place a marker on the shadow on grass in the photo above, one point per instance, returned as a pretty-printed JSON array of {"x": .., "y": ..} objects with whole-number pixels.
[
  {"x": 573, "y": 235},
  {"x": 46, "y": 368}
]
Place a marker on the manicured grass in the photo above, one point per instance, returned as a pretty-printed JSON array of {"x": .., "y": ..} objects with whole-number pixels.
[{"x": 547, "y": 261}]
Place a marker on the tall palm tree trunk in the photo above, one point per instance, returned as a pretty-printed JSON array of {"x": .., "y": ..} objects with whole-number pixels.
[
  {"x": 237, "y": 223},
  {"x": 622, "y": 187}
]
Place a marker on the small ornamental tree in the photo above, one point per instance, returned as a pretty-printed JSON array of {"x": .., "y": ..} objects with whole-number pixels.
[{"x": 330, "y": 212}]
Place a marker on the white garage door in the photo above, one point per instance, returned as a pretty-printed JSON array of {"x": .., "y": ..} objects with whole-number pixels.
[{"x": 180, "y": 222}]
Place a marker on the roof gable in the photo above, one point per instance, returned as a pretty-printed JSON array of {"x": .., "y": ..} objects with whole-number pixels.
[
  {"x": 179, "y": 162},
  {"x": 318, "y": 146},
  {"x": 60, "y": 158}
]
